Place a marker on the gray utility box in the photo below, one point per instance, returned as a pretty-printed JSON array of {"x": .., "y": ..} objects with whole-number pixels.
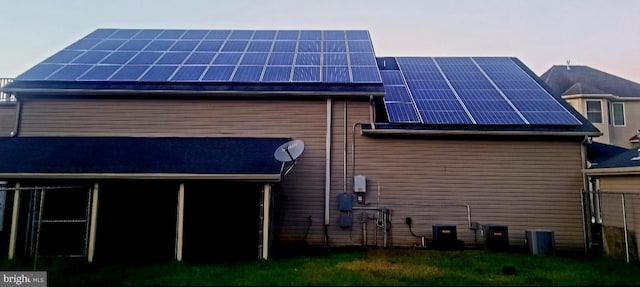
[{"x": 540, "y": 241}]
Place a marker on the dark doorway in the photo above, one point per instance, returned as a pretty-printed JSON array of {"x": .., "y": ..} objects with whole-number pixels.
[
  {"x": 136, "y": 220},
  {"x": 221, "y": 220}
]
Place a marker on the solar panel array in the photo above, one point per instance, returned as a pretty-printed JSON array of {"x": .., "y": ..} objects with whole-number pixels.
[
  {"x": 263, "y": 56},
  {"x": 468, "y": 90}
]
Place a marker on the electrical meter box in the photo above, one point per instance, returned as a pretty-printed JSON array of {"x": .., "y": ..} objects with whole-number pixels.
[{"x": 360, "y": 183}]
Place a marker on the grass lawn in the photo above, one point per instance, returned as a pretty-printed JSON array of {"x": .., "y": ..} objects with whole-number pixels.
[{"x": 373, "y": 267}]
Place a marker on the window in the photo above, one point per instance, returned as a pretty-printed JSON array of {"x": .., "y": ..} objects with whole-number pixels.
[
  {"x": 617, "y": 114},
  {"x": 594, "y": 112}
]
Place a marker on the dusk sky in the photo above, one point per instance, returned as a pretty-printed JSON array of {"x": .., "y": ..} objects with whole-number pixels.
[{"x": 602, "y": 34}]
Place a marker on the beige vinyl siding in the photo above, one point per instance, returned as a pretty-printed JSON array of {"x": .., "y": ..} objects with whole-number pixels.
[
  {"x": 622, "y": 183},
  {"x": 522, "y": 184},
  {"x": 7, "y": 119}
]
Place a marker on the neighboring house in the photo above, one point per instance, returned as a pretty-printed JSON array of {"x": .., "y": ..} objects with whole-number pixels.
[
  {"x": 611, "y": 103},
  {"x": 614, "y": 174},
  {"x": 164, "y": 142}
]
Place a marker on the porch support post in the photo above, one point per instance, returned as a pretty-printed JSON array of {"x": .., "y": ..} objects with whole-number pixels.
[
  {"x": 94, "y": 221},
  {"x": 14, "y": 222},
  {"x": 266, "y": 199},
  {"x": 180, "y": 223}
]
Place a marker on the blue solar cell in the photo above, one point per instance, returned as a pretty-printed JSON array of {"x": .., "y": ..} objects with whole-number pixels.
[
  {"x": 335, "y": 46},
  {"x": 129, "y": 73},
  {"x": 308, "y": 59},
  {"x": 421, "y": 75},
  {"x": 362, "y": 59},
  {"x": 445, "y": 117},
  {"x": 118, "y": 58},
  {"x": 526, "y": 95},
  {"x": 101, "y": 33},
  {"x": 241, "y": 34},
  {"x": 259, "y": 46},
  {"x": 218, "y": 34},
  {"x": 171, "y": 34},
  {"x": 310, "y": 35},
  {"x": 172, "y": 58},
  {"x": 210, "y": 46},
  {"x": 90, "y": 57},
  {"x": 134, "y": 45},
  {"x": 99, "y": 73},
  {"x": 281, "y": 59},
  {"x": 195, "y": 34},
  {"x": 396, "y": 94},
  {"x": 184, "y": 46},
  {"x": 497, "y": 118},
  {"x": 516, "y": 85},
  {"x": 309, "y": 46},
  {"x": 188, "y": 73},
  {"x": 465, "y": 61},
  {"x": 108, "y": 45},
  {"x": 227, "y": 58},
  {"x": 284, "y": 46},
  {"x": 550, "y": 118},
  {"x": 287, "y": 35},
  {"x": 69, "y": 72},
  {"x": 391, "y": 77},
  {"x": 264, "y": 35},
  {"x": 254, "y": 59},
  {"x": 358, "y": 35},
  {"x": 159, "y": 45},
  {"x": 427, "y": 84},
  {"x": 331, "y": 74},
  {"x": 159, "y": 73},
  {"x": 335, "y": 59},
  {"x": 439, "y": 105},
  {"x": 365, "y": 74},
  {"x": 277, "y": 74},
  {"x": 84, "y": 44},
  {"x": 39, "y": 72},
  {"x": 434, "y": 95},
  {"x": 306, "y": 74},
  {"x": 218, "y": 73},
  {"x": 334, "y": 35},
  {"x": 146, "y": 58},
  {"x": 471, "y": 85},
  {"x": 63, "y": 57},
  {"x": 402, "y": 113},
  {"x": 199, "y": 58},
  {"x": 360, "y": 46},
  {"x": 248, "y": 74},
  {"x": 235, "y": 46},
  {"x": 488, "y": 106},
  {"x": 147, "y": 34},
  {"x": 124, "y": 34},
  {"x": 533, "y": 106}
]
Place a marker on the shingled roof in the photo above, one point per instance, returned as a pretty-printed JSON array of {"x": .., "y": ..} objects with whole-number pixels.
[{"x": 571, "y": 80}]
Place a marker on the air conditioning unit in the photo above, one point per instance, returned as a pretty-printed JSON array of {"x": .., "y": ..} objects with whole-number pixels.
[
  {"x": 496, "y": 237},
  {"x": 445, "y": 237},
  {"x": 540, "y": 241}
]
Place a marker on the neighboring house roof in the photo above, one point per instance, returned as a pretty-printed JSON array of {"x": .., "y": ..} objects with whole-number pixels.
[
  {"x": 571, "y": 80},
  {"x": 599, "y": 152},
  {"x": 629, "y": 158},
  {"x": 132, "y": 157}
]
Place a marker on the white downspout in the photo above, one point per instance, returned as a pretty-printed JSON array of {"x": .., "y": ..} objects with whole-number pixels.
[{"x": 327, "y": 179}]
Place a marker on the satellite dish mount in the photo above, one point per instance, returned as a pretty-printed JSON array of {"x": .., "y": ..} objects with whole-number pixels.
[{"x": 289, "y": 152}]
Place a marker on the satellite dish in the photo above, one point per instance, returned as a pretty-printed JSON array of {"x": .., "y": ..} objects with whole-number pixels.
[{"x": 289, "y": 152}]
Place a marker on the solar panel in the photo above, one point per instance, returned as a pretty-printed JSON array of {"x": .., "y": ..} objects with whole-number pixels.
[
  {"x": 465, "y": 90},
  {"x": 333, "y": 56}
]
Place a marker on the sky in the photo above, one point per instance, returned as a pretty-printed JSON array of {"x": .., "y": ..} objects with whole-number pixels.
[{"x": 602, "y": 34}]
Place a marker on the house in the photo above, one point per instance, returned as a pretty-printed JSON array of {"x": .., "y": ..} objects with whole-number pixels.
[
  {"x": 172, "y": 143},
  {"x": 611, "y": 103},
  {"x": 614, "y": 174}
]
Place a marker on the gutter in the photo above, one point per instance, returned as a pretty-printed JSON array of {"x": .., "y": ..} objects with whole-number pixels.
[
  {"x": 629, "y": 170},
  {"x": 248, "y": 177},
  {"x": 389, "y": 132}
]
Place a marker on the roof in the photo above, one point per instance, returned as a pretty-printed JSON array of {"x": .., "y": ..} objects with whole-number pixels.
[
  {"x": 625, "y": 159},
  {"x": 571, "y": 80},
  {"x": 600, "y": 152},
  {"x": 138, "y": 157},
  {"x": 131, "y": 61}
]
